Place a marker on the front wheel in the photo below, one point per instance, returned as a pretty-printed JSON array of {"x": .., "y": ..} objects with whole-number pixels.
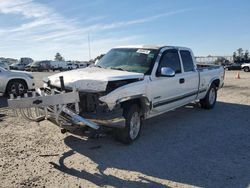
[
  {"x": 246, "y": 69},
  {"x": 16, "y": 87},
  {"x": 133, "y": 122},
  {"x": 210, "y": 99}
]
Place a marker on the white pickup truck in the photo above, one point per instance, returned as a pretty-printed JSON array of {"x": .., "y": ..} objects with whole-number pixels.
[{"x": 129, "y": 84}]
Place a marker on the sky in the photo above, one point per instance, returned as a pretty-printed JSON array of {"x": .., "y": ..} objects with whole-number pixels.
[{"x": 40, "y": 28}]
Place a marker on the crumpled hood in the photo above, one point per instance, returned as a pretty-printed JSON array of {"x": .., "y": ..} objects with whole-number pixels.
[{"x": 92, "y": 79}]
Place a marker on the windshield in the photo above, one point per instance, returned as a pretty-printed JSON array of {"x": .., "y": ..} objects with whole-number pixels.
[{"x": 132, "y": 60}]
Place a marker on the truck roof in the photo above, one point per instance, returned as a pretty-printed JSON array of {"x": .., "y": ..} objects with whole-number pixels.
[{"x": 153, "y": 47}]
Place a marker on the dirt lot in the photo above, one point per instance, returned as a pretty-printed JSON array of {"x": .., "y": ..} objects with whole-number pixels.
[{"x": 183, "y": 148}]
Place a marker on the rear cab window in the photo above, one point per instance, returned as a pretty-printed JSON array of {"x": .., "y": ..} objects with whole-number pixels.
[{"x": 187, "y": 60}]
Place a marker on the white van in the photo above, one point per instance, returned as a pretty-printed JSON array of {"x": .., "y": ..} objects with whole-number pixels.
[{"x": 58, "y": 65}]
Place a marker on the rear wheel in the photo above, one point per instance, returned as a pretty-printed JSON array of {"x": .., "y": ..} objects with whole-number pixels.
[
  {"x": 16, "y": 87},
  {"x": 246, "y": 69},
  {"x": 131, "y": 132},
  {"x": 210, "y": 99}
]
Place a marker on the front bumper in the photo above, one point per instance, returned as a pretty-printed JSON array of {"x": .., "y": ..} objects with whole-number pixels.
[
  {"x": 112, "y": 118},
  {"x": 31, "y": 84},
  {"x": 55, "y": 108}
]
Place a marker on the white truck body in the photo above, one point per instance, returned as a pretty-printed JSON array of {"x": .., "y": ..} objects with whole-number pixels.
[
  {"x": 156, "y": 80},
  {"x": 58, "y": 65},
  {"x": 246, "y": 67},
  {"x": 10, "y": 76}
]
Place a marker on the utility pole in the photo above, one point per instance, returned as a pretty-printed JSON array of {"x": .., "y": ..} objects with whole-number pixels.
[{"x": 89, "y": 47}]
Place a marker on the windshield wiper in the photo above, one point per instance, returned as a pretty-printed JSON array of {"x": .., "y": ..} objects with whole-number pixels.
[{"x": 117, "y": 68}]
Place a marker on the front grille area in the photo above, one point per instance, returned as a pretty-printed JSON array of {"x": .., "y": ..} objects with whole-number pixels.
[{"x": 89, "y": 102}]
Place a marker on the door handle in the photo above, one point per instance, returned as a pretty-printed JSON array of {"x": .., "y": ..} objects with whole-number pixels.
[{"x": 182, "y": 81}]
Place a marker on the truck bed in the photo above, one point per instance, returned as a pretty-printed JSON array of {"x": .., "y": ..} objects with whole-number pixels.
[{"x": 202, "y": 67}]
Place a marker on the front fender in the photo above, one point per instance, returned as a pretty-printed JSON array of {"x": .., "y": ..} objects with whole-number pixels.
[{"x": 128, "y": 92}]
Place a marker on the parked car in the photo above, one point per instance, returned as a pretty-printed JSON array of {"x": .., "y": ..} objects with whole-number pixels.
[
  {"x": 17, "y": 66},
  {"x": 4, "y": 65},
  {"x": 15, "y": 82},
  {"x": 129, "y": 84},
  {"x": 58, "y": 65},
  {"x": 82, "y": 65},
  {"x": 246, "y": 67},
  {"x": 71, "y": 66},
  {"x": 21, "y": 64},
  {"x": 27, "y": 67},
  {"x": 40, "y": 66},
  {"x": 234, "y": 66}
]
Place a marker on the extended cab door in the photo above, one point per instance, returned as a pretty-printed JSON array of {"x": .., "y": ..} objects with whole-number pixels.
[
  {"x": 167, "y": 92},
  {"x": 190, "y": 75}
]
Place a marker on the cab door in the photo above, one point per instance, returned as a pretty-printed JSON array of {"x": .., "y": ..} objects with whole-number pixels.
[
  {"x": 167, "y": 92},
  {"x": 190, "y": 74}
]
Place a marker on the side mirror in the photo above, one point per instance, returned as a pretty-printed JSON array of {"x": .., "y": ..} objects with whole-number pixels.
[{"x": 167, "y": 72}]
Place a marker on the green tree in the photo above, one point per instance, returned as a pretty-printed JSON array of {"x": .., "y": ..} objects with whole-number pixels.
[
  {"x": 58, "y": 57},
  {"x": 240, "y": 52},
  {"x": 246, "y": 56},
  {"x": 235, "y": 56}
]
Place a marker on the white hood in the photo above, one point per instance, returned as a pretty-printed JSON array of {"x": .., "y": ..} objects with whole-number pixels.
[{"x": 92, "y": 79}]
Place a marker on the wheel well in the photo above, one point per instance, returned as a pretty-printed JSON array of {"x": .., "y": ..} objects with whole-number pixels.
[
  {"x": 216, "y": 83},
  {"x": 142, "y": 102},
  {"x": 13, "y": 80}
]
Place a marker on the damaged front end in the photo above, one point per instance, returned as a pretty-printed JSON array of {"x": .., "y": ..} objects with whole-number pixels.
[
  {"x": 69, "y": 108},
  {"x": 95, "y": 110}
]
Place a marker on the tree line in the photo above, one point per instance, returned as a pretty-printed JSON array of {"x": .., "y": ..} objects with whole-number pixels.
[
  {"x": 59, "y": 57},
  {"x": 241, "y": 56}
]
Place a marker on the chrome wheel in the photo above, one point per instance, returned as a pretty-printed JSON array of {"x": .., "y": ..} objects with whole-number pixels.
[
  {"x": 212, "y": 96},
  {"x": 135, "y": 124}
]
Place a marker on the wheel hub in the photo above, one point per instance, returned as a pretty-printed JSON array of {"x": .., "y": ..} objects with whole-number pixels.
[
  {"x": 135, "y": 124},
  {"x": 212, "y": 96},
  {"x": 17, "y": 88}
]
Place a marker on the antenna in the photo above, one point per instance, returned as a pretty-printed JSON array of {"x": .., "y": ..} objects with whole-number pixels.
[{"x": 89, "y": 47}]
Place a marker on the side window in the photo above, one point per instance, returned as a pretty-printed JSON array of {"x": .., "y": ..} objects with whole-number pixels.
[
  {"x": 171, "y": 59},
  {"x": 187, "y": 61}
]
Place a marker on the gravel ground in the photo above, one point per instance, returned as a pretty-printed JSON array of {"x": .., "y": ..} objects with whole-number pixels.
[{"x": 188, "y": 147}]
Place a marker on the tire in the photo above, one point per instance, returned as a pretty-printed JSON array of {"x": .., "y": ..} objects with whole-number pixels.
[
  {"x": 246, "y": 69},
  {"x": 210, "y": 99},
  {"x": 16, "y": 87},
  {"x": 133, "y": 122}
]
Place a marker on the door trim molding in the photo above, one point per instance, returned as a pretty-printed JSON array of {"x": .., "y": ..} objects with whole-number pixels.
[{"x": 175, "y": 99}]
